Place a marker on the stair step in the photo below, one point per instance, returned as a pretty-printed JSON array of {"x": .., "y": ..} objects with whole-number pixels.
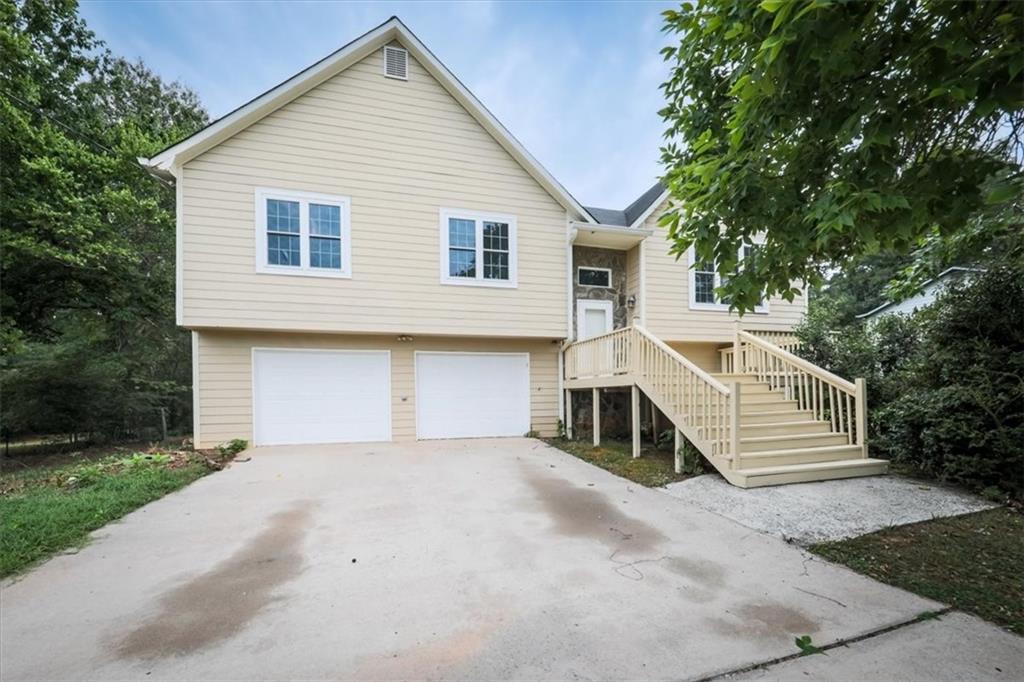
[
  {"x": 815, "y": 471},
  {"x": 768, "y": 398},
  {"x": 752, "y": 444},
  {"x": 798, "y": 455},
  {"x": 755, "y": 417},
  {"x": 784, "y": 428},
  {"x": 742, "y": 378}
]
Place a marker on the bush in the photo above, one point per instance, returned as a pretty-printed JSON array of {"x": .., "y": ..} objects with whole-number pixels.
[{"x": 945, "y": 386}]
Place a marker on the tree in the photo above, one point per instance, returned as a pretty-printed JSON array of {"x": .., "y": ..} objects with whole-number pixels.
[
  {"x": 87, "y": 236},
  {"x": 842, "y": 129}
]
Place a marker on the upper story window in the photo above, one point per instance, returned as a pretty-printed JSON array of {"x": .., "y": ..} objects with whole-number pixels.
[
  {"x": 594, "y": 277},
  {"x": 301, "y": 233},
  {"x": 478, "y": 249},
  {"x": 704, "y": 279}
]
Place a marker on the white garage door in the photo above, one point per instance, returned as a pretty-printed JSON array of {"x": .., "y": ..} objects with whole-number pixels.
[
  {"x": 470, "y": 395},
  {"x": 313, "y": 396}
]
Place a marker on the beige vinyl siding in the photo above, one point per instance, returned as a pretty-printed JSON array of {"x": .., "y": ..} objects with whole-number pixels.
[
  {"x": 633, "y": 280},
  {"x": 667, "y": 304},
  {"x": 401, "y": 151},
  {"x": 704, "y": 355},
  {"x": 224, "y": 382}
]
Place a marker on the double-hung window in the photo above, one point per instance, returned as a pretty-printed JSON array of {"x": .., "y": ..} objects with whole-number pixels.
[
  {"x": 301, "y": 233},
  {"x": 478, "y": 249},
  {"x": 704, "y": 279}
]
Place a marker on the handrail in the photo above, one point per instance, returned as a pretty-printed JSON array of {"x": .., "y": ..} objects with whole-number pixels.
[
  {"x": 840, "y": 403},
  {"x": 805, "y": 365},
  {"x": 698, "y": 404},
  {"x": 715, "y": 383}
]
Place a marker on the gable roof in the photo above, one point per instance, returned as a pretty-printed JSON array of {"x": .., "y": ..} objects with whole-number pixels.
[
  {"x": 956, "y": 269},
  {"x": 162, "y": 163},
  {"x": 635, "y": 213}
]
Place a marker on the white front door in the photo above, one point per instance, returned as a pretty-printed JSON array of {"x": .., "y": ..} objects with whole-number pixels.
[
  {"x": 472, "y": 395},
  {"x": 593, "y": 318}
]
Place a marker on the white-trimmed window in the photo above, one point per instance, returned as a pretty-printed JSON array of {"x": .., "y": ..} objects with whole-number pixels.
[
  {"x": 704, "y": 279},
  {"x": 594, "y": 277},
  {"x": 301, "y": 233},
  {"x": 478, "y": 249}
]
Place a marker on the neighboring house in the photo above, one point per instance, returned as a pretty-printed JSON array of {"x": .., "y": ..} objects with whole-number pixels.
[
  {"x": 924, "y": 298},
  {"x": 366, "y": 254}
]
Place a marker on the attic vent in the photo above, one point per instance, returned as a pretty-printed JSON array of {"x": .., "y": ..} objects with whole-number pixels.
[{"x": 396, "y": 63}]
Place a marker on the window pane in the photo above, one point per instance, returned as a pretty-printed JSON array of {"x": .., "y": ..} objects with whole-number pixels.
[
  {"x": 496, "y": 236},
  {"x": 325, "y": 252},
  {"x": 461, "y": 233},
  {"x": 325, "y": 220},
  {"x": 589, "y": 277},
  {"x": 495, "y": 265},
  {"x": 704, "y": 287},
  {"x": 282, "y": 216},
  {"x": 283, "y": 249},
  {"x": 461, "y": 263}
]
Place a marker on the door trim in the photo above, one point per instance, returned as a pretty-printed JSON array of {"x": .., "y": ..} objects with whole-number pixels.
[
  {"x": 584, "y": 304},
  {"x": 416, "y": 378},
  {"x": 366, "y": 351}
]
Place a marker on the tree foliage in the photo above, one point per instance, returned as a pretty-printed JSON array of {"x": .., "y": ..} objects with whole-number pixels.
[
  {"x": 87, "y": 305},
  {"x": 842, "y": 129},
  {"x": 946, "y": 385}
]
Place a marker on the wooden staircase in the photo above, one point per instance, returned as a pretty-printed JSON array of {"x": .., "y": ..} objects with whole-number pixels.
[
  {"x": 782, "y": 443},
  {"x": 772, "y": 418}
]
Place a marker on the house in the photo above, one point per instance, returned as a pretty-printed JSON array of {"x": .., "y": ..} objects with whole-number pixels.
[
  {"x": 929, "y": 292},
  {"x": 365, "y": 253}
]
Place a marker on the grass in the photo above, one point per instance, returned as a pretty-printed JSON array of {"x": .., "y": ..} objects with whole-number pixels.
[
  {"x": 654, "y": 468},
  {"x": 45, "y": 510},
  {"x": 971, "y": 562}
]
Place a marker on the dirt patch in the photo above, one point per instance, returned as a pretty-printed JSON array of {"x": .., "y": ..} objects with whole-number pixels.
[
  {"x": 769, "y": 620},
  {"x": 585, "y": 512},
  {"x": 217, "y": 604}
]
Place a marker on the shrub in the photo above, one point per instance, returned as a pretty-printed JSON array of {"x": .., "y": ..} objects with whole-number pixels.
[
  {"x": 232, "y": 447},
  {"x": 945, "y": 386}
]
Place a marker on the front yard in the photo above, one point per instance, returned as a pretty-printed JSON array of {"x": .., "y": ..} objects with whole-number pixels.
[
  {"x": 654, "y": 468},
  {"x": 47, "y": 509},
  {"x": 971, "y": 562}
]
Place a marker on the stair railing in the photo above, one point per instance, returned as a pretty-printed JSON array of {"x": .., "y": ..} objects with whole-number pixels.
[
  {"x": 702, "y": 407},
  {"x": 785, "y": 340},
  {"x": 599, "y": 356},
  {"x": 829, "y": 398}
]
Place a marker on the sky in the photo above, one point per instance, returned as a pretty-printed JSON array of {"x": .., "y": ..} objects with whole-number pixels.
[{"x": 576, "y": 83}]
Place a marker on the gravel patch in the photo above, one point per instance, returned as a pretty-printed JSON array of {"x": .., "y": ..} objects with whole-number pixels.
[{"x": 807, "y": 513}]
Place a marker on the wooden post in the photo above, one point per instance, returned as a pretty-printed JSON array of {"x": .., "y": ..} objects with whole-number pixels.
[
  {"x": 654, "y": 421},
  {"x": 734, "y": 419},
  {"x": 678, "y": 446},
  {"x": 737, "y": 349},
  {"x": 636, "y": 421},
  {"x": 597, "y": 417},
  {"x": 862, "y": 416},
  {"x": 568, "y": 414}
]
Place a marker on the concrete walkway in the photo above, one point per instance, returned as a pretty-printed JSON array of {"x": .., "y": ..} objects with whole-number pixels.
[
  {"x": 490, "y": 559},
  {"x": 955, "y": 647},
  {"x": 807, "y": 513}
]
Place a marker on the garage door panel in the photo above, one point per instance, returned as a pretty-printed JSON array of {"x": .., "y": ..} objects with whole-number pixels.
[
  {"x": 472, "y": 395},
  {"x": 321, "y": 396}
]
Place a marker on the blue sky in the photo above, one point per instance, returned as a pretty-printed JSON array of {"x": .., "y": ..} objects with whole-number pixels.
[{"x": 577, "y": 83}]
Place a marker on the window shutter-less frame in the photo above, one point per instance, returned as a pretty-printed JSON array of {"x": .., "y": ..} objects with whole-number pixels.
[{"x": 396, "y": 62}]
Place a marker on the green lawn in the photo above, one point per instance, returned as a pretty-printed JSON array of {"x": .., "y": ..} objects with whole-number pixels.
[
  {"x": 971, "y": 562},
  {"x": 655, "y": 467},
  {"x": 46, "y": 510}
]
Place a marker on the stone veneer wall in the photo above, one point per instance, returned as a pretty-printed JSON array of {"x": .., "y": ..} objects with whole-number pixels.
[{"x": 588, "y": 256}]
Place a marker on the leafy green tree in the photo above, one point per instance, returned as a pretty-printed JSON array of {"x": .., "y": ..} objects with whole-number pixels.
[
  {"x": 842, "y": 129},
  {"x": 87, "y": 237}
]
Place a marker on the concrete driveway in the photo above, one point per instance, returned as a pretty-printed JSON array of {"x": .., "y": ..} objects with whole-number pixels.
[{"x": 440, "y": 560}]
